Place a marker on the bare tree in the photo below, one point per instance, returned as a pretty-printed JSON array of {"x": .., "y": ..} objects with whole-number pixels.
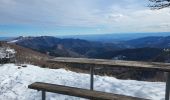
[{"x": 159, "y": 4}]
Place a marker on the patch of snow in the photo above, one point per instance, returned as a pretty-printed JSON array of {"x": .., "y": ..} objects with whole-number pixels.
[
  {"x": 11, "y": 51},
  {"x": 2, "y": 53},
  {"x": 14, "y": 81},
  {"x": 119, "y": 57},
  {"x": 6, "y": 52},
  {"x": 13, "y": 41}
]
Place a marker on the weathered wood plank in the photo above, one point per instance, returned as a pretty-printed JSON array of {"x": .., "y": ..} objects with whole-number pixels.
[
  {"x": 84, "y": 93},
  {"x": 115, "y": 63}
]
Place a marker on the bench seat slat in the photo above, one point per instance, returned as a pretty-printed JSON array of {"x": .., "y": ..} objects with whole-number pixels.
[{"x": 84, "y": 93}]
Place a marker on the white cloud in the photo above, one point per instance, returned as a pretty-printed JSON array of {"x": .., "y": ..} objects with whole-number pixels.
[
  {"x": 114, "y": 16},
  {"x": 60, "y": 12},
  {"x": 143, "y": 21}
]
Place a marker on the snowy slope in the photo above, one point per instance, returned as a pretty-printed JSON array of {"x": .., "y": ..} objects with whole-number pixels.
[{"x": 15, "y": 79}]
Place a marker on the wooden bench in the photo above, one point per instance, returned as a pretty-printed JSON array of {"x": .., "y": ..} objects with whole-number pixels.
[
  {"x": 78, "y": 92},
  {"x": 164, "y": 67},
  {"x": 156, "y": 66}
]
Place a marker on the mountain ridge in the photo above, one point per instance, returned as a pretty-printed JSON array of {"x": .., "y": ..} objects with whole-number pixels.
[{"x": 70, "y": 47}]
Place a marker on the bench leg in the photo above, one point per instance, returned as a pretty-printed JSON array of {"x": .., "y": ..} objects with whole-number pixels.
[
  {"x": 43, "y": 95},
  {"x": 91, "y": 77},
  {"x": 167, "y": 86}
]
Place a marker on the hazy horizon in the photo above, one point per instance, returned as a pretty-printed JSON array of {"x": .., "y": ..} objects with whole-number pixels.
[{"x": 146, "y": 34}]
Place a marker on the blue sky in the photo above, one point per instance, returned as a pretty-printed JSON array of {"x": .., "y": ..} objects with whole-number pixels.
[{"x": 78, "y": 17}]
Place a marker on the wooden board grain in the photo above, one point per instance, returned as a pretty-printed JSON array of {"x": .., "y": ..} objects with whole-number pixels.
[
  {"x": 114, "y": 63},
  {"x": 84, "y": 93}
]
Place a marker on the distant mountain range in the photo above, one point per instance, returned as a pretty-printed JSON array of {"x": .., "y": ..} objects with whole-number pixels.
[
  {"x": 112, "y": 38},
  {"x": 107, "y": 38},
  {"x": 65, "y": 47},
  {"x": 153, "y": 42},
  {"x": 145, "y": 49}
]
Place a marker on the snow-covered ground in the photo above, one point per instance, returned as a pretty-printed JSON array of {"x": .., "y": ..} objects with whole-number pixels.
[
  {"x": 14, "y": 81},
  {"x": 6, "y": 52}
]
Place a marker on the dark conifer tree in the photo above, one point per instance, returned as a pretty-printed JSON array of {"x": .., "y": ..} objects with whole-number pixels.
[{"x": 159, "y": 4}]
